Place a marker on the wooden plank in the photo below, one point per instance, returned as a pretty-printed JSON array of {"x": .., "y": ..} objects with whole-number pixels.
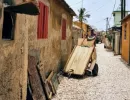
[
  {"x": 50, "y": 77},
  {"x": 71, "y": 60},
  {"x": 86, "y": 62},
  {"x": 55, "y": 81},
  {"x": 79, "y": 60},
  {"x": 25, "y": 8},
  {"x": 80, "y": 66},
  {"x": 82, "y": 41},
  {"x": 37, "y": 90},
  {"x": 69, "y": 57},
  {"x": 47, "y": 89},
  {"x": 52, "y": 87}
]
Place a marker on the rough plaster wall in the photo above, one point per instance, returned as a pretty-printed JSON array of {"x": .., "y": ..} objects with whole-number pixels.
[
  {"x": 66, "y": 45},
  {"x": 13, "y": 69},
  {"x": 76, "y": 33},
  {"x": 51, "y": 51}
]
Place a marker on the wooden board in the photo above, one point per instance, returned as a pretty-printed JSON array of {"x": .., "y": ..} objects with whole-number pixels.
[
  {"x": 37, "y": 89},
  {"x": 46, "y": 87},
  {"x": 79, "y": 60},
  {"x": 25, "y": 8},
  {"x": 84, "y": 42}
]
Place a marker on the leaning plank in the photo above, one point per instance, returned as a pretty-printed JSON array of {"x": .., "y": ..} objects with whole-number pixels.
[
  {"x": 50, "y": 77},
  {"x": 82, "y": 41},
  {"x": 47, "y": 89},
  {"x": 85, "y": 62},
  {"x": 52, "y": 87},
  {"x": 70, "y": 57},
  {"x": 79, "y": 60},
  {"x": 37, "y": 90}
]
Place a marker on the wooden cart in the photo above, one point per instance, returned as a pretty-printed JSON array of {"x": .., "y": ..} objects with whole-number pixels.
[{"x": 82, "y": 59}]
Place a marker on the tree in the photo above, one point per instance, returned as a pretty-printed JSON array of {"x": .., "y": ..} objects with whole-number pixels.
[{"x": 82, "y": 17}]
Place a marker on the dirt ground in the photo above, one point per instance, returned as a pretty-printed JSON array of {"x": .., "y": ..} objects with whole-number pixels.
[{"x": 112, "y": 83}]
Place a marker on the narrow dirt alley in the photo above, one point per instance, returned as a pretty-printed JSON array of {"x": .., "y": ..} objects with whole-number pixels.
[{"x": 112, "y": 83}]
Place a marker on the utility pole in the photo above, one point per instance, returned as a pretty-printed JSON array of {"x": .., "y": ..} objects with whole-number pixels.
[
  {"x": 123, "y": 12},
  {"x": 107, "y": 23},
  {"x": 124, "y": 7}
]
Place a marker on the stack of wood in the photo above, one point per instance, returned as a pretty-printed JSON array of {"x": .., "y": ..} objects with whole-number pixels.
[{"x": 39, "y": 86}]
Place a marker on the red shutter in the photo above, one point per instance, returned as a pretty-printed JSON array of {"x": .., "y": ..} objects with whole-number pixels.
[
  {"x": 42, "y": 30},
  {"x": 46, "y": 21},
  {"x": 63, "y": 29},
  {"x": 41, "y": 20}
]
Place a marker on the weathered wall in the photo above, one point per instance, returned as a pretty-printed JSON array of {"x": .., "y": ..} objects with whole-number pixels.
[
  {"x": 14, "y": 53},
  {"x": 51, "y": 51},
  {"x": 84, "y": 26},
  {"x": 13, "y": 62},
  {"x": 76, "y": 33},
  {"x": 125, "y": 42}
]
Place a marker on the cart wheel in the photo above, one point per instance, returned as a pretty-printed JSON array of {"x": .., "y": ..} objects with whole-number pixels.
[
  {"x": 95, "y": 70},
  {"x": 88, "y": 73}
]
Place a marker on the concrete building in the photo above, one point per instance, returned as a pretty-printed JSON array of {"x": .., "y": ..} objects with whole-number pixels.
[
  {"x": 116, "y": 31},
  {"x": 47, "y": 37},
  {"x": 117, "y": 17}
]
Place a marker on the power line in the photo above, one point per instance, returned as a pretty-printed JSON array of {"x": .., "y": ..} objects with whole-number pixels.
[
  {"x": 99, "y": 8},
  {"x": 100, "y": 20},
  {"x": 112, "y": 11},
  {"x": 76, "y": 3}
]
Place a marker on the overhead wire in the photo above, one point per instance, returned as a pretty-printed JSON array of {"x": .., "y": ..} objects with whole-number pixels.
[
  {"x": 76, "y": 3},
  {"x": 112, "y": 13},
  {"x": 100, "y": 20}
]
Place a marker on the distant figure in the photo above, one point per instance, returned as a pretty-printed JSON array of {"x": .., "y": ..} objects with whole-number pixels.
[{"x": 92, "y": 33}]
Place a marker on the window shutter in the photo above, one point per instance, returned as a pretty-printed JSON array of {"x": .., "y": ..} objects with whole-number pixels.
[
  {"x": 63, "y": 29},
  {"x": 42, "y": 31},
  {"x": 46, "y": 21},
  {"x": 42, "y": 20}
]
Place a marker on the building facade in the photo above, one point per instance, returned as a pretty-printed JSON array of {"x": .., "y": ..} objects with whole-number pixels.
[
  {"x": 126, "y": 39},
  {"x": 24, "y": 33}
]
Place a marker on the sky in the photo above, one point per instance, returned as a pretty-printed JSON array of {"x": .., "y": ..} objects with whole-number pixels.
[{"x": 99, "y": 10}]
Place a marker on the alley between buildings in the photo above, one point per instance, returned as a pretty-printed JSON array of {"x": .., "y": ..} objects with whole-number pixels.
[{"x": 112, "y": 83}]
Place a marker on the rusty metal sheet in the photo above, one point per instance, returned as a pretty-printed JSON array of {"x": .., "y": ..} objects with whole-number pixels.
[{"x": 37, "y": 90}]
